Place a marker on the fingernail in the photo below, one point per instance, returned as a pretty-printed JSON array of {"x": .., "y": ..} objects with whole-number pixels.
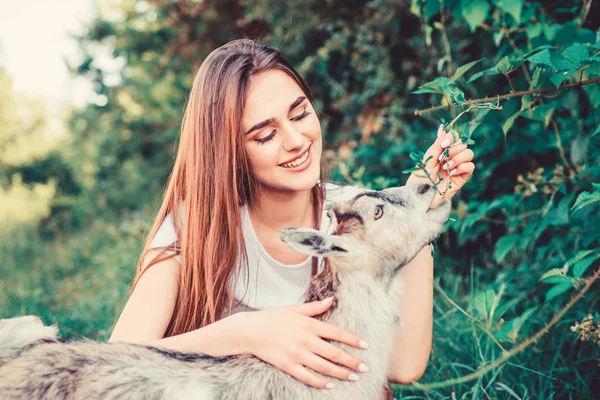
[
  {"x": 363, "y": 344},
  {"x": 440, "y": 157},
  {"x": 448, "y": 165},
  {"x": 327, "y": 300},
  {"x": 440, "y": 130},
  {"x": 363, "y": 367},
  {"x": 446, "y": 143},
  {"x": 452, "y": 172},
  {"x": 330, "y": 385},
  {"x": 353, "y": 377}
]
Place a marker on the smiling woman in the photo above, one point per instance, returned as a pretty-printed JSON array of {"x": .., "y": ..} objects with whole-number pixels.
[
  {"x": 282, "y": 147},
  {"x": 214, "y": 276}
]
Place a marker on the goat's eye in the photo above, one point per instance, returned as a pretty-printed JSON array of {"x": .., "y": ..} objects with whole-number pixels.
[{"x": 378, "y": 211}]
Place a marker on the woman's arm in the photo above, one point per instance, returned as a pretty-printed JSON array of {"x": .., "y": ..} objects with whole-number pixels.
[
  {"x": 413, "y": 340},
  {"x": 149, "y": 309},
  {"x": 287, "y": 337}
]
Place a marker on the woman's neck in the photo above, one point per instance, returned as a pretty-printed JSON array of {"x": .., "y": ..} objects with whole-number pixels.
[{"x": 276, "y": 210}]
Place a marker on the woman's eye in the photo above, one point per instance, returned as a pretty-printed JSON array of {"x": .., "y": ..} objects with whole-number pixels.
[
  {"x": 301, "y": 116},
  {"x": 267, "y": 138}
]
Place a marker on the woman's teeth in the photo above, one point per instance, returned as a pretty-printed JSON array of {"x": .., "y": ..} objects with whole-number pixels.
[{"x": 296, "y": 162}]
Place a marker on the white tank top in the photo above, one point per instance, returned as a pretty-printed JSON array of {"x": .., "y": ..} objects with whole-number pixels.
[{"x": 266, "y": 282}]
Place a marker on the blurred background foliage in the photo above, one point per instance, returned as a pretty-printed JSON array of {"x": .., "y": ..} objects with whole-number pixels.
[{"x": 525, "y": 235}]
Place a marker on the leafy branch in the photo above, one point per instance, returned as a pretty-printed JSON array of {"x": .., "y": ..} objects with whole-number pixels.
[
  {"x": 509, "y": 95},
  {"x": 517, "y": 349},
  {"x": 419, "y": 157}
]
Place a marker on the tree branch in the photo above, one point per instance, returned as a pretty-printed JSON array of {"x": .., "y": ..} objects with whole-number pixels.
[
  {"x": 509, "y": 95},
  {"x": 515, "y": 350}
]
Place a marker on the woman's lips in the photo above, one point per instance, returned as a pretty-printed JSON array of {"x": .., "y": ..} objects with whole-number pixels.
[{"x": 303, "y": 165}]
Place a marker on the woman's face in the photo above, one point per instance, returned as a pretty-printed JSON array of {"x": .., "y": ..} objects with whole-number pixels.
[{"x": 282, "y": 133}]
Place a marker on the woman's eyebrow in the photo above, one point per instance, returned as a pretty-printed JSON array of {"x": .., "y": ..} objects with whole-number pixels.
[{"x": 268, "y": 121}]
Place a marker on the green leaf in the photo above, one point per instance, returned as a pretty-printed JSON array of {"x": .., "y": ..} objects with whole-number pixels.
[
  {"x": 541, "y": 113},
  {"x": 550, "y": 30},
  {"x": 445, "y": 86},
  {"x": 435, "y": 86},
  {"x": 581, "y": 266},
  {"x": 512, "y": 7},
  {"x": 504, "y": 245},
  {"x": 510, "y": 330},
  {"x": 557, "y": 290},
  {"x": 561, "y": 76},
  {"x": 553, "y": 272},
  {"x": 560, "y": 62},
  {"x": 542, "y": 57},
  {"x": 490, "y": 71},
  {"x": 503, "y": 66},
  {"x": 577, "y": 54},
  {"x": 431, "y": 9},
  {"x": 559, "y": 279},
  {"x": 475, "y": 12},
  {"x": 596, "y": 131},
  {"x": 581, "y": 262},
  {"x": 585, "y": 199},
  {"x": 533, "y": 30},
  {"x": 483, "y": 302},
  {"x": 536, "y": 50},
  {"x": 463, "y": 68},
  {"x": 456, "y": 95},
  {"x": 415, "y": 7},
  {"x": 509, "y": 122}
]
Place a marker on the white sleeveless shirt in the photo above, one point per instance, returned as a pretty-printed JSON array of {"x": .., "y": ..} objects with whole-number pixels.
[{"x": 266, "y": 282}]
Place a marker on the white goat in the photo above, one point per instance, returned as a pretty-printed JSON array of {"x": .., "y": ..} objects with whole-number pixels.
[{"x": 370, "y": 238}]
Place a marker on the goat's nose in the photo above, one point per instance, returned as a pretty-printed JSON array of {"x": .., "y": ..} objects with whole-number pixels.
[{"x": 423, "y": 188}]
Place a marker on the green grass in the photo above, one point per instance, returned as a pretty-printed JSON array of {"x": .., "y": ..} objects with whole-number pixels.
[{"x": 80, "y": 283}]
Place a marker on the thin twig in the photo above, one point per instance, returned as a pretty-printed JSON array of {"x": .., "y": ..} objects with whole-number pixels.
[
  {"x": 509, "y": 95},
  {"x": 445, "y": 38},
  {"x": 586, "y": 10},
  {"x": 561, "y": 149},
  {"x": 515, "y": 350}
]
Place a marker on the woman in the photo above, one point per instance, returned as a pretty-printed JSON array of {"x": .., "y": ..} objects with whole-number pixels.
[{"x": 248, "y": 165}]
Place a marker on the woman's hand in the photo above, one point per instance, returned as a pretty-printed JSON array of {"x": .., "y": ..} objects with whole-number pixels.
[
  {"x": 291, "y": 340},
  {"x": 457, "y": 168}
]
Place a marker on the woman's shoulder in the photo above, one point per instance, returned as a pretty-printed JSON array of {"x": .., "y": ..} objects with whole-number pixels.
[{"x": 166, "y": 234}]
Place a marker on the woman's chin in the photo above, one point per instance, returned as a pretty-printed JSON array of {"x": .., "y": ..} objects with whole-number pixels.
[{"x": 298, "y": 183}]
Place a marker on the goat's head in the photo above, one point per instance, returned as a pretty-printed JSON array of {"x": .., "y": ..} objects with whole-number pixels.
[{"x": 377, "y": 231}]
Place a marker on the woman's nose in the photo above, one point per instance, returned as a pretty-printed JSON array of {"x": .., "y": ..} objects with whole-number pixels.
[{"x": 294, "y": 139}]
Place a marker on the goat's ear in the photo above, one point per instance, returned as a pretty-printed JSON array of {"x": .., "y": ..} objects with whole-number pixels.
[{"x": 315, "y": 243}]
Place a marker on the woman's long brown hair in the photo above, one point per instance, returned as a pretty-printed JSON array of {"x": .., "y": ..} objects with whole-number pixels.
[{"x": 213, "y": 174}]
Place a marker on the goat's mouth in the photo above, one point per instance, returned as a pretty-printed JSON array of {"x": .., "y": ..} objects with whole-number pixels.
[{"x": 442, "y": 205}]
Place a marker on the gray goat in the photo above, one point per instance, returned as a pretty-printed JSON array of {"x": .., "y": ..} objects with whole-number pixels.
[{"x": 370, "y": 238}]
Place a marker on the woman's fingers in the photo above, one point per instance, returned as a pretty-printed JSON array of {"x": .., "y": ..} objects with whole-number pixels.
[
  {"x": 464, "y": 170},
  {"x": 329, "y": 331},
  {"x": 452, "y": 151},
  {"x": 432, "y": 155},
  {"x": 313, "y": 308},
  {"x": 325, "y": 367},
  {"x": 301, "y": 373},
  {"x": 459, "y": 159},
  {"x": 339, "y": 356}
]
